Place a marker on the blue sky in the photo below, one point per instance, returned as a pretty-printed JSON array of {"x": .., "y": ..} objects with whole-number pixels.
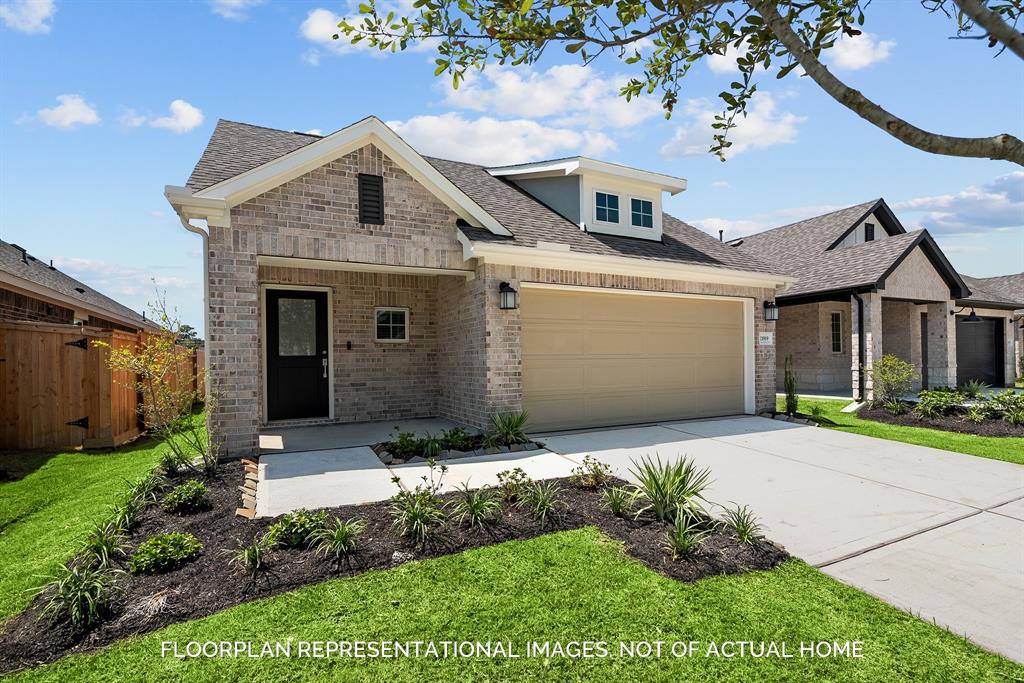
[{"x": 102, "y": 104}]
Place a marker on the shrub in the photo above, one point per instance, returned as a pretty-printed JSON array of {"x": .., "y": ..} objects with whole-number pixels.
[
  {"x": 512, "y": 484},
  {"x": 123, "y": 515},
  {"x": 891, "y": 378},
  {"x": 187, "y": 497},
  {"x": 296, "y": 529},
  {"x": 338, "y": 540},
  {"x": 405, "y": 445},
  {"x": 1015, "y": 416},
  {"x": 618, "y": 500},
  {"x": 419, "y": 515},
  {"x": 80, "y": 593},
  {"x": 509, "y": 428},
  {"x": 457, "y": 439},
  {"x": 251, "y": 556},
  {"x": 543, "y": 501},
  {"x": 1006, "y": 401},
  {"x": 479, "y": 509},
  {"x": 431, "y": 447},
  {"x": 592, "y": 473},
  {"x": 684, "y": 536},
  {"x": 977, "y": 414},
  {"x": 103, "y": 545},
  {"x": 789, "y": 383},
  {"x": 973, "y": 388},
  {"x": 817, "y": 410},
  {"x": 744, "y": 523},
  {"x": 668, "y": 487},
  {"x": 894, "y": 406},
  {"x": 935, "y": 403},
  {"x": 164, "y": 552},
  {"x": 146, "y": 490}
]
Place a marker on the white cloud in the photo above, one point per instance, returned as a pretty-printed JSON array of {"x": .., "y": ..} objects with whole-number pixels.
[
  {"x": 183, "y": 117},
  {"x": 489, "y": 141},
  {"x": 568, "y": 95},
  {"x": 996, "y": 205},
  {"x": 321, "y": 25},
  {"x": 72, "y": 111},
  {"x": 726, "y": 63},
  {"x": 129, "y": 118},
  {"x": 852, "y": 53},
  {"x": 764, "y": 126},
  {"x": 118, "y": 280},
  {"x": 28, "y": 16},
  {"x": 733, "y": 228},
  {"x": 721, "y": 185},
  {"x": 314, "y": 131},
  {"x": 236, "y": 10}
]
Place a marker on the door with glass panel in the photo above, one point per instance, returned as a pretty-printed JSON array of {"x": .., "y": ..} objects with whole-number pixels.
[{"x": 297, "y": 361}]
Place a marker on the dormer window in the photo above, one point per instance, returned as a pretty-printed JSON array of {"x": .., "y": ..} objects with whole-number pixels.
[
  {"x": 641, "y": 213},
  {"x": 606, "y": 207}
]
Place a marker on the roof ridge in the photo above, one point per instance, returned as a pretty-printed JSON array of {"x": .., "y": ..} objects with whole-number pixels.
[
  {"x": 276, "y": 130},
  {"x": 871, "y": 202}
]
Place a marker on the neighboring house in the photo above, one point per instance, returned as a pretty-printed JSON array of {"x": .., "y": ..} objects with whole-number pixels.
[
  {"x": 1001, "y": 292},
  {"x": 33, "y": 291},
  {"x": 867, "y": 288},
  {"x": 352, "y": 279}
]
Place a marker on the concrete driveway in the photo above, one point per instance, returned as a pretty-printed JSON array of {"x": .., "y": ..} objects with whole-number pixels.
[{"x": 935, "y": 533}]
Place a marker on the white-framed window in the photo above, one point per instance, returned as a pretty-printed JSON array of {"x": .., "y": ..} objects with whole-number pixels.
[
  {"x": 836, "y": 327},
  {"x": 391, "y": 325},
  {"x": 641, "y": 212},
  {"x": 606, "y": 207}
]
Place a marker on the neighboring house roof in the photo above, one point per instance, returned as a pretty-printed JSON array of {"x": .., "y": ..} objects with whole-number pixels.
[
  {"x": 806, "y": 250},
  {"x": 1003, "y": 291},
  {"x": 24, "y": 271}
]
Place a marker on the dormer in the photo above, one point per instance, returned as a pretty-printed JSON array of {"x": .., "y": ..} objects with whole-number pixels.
[
  {"x": 597, "y": 196},
  {"x": 877, "y": 224}
]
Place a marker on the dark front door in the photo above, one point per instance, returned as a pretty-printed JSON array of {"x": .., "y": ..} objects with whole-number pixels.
[
  {"x": 979, "y": 351},
  {"x": 297, "y": 381}
]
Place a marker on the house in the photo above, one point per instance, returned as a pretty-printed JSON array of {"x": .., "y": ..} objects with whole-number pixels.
[
  {"x": 866, "y": 288},
  {"x": 352, "y": 279},
  {"x": 34, "y": 291}
]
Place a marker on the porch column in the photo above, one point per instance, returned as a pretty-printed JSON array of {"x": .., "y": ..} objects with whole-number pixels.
[
  {"x": 872, "y": 339},
  {"x": 915, "y": 344},
  {"x": 941, "y": 346}
]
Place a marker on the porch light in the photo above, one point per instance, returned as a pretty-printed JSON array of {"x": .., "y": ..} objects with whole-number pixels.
[
  {"x": 508, "y": 297},
  {"x": 771, "y": 311},
  {"x": 971, "y": 318}
]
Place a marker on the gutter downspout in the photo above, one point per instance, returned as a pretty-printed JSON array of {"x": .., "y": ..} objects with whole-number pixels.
[
  {"x": 206, "y": 291},
  {"x": 862, "y": 348}
]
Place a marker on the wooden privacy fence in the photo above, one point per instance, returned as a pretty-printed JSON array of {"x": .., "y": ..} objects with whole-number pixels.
[{"x": 57, "y": 390}]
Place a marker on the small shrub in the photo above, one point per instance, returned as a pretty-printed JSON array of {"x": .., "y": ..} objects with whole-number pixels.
[
  {"x": 591, "y": 474},
  {"x": 744, "y": 523},
  {"x": 296, "y": 529},
  {"x": 512, "y": 484},
  {"x": 509, "y": 428},
  {"x": 789, "y": 383},
  {"x": 936, "y": 403},
  {"x": 338, "y": 539},
  {"x": 164, "y": 552},
  {"x": 431, "y": 447},
  {"x": 187, "y": 497},
  {"x": 684, "y": 536},
  {"x": 543, "y": 500},
  {"x": 103, "y": 545},
  {"x": 1015, "y": 416},
  {"x": 894, "y": 406},
  {"x": 891, "y": 378},
  {"x": 1006, "y": 401},
  {"x": 80, "y": 593},
  {"x": 973, "y": 388},
  {"x": 457, "y": 439},
  {"x": 667, "y": 487},
  {"x": 477, "y": 509},
  {"x": 170, "y": 463},
  {"x": 251, "y": 556},
  {"x": 419, "y": 515},
  {"x": 404, "y": 445},
  {"x": 147, "y": 490},
  {"x": 618, "y": 500},
  {"x": 817, "y": 411}
]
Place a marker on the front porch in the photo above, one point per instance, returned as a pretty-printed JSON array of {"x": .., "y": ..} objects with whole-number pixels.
[{"x": 322, "y": 437}]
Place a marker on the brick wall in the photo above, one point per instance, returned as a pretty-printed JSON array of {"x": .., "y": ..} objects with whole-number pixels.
[{"x": 16, "y": 306}]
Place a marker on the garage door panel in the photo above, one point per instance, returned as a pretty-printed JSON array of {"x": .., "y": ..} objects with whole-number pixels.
[
  {"x": 550, "y": 340},
  {"x": 554, "y": 376},
  {"x": 719, "y": 372},
  {"x": 620, "y": 374},
  {"x": 674, "y": 373}
]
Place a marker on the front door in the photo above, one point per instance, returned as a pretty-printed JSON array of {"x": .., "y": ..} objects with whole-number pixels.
[{"x": 297, "y": 368}]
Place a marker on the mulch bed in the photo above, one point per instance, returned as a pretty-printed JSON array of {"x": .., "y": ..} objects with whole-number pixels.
[
  {"x": 947, "y": 423},
  {"x": 209, "y": 584}
]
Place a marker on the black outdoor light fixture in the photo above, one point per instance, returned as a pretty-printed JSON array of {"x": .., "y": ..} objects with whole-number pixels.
[
  {"x": 771, "y": 311},
  {"x": 971, "y": 318},
  {"x": 508, "y": 297}
]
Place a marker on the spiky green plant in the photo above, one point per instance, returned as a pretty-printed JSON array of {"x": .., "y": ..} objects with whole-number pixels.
[
  {"x": 103, "y": 545},
  {"x": 742, "y": 521},
  {"x": 664, "y": 488},
  {"x": 510, "y": 428},
  {"x": 618, "y": 500},
  {"x": 974, "y": 388},
  {"x": 684, "y": 536},
  {"x": 339, "y": 539},
  {"x": 543, "y": 500},
  {"x": 79, "y": 592},
  {"x": 477, "y": 508},
  {"x": 251, "y": 556}
]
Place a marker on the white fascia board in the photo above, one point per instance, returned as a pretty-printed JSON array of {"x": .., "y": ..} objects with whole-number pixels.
[
  {"x": 360, "y": 267},
  {"x": 617, "y": 265},
  {"x": 556, "y": 167},
  {"x": 578, "y": 165},
  {"x": 245, "y": 186},
  {"x": 214, "y": 211}
]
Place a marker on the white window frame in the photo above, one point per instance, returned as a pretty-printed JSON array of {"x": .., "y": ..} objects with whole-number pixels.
[
  {"x": 617, "y": 195},
  {"x": 392, "y": 309},
  {"x": 831, "y": 339},
  {"x": 629, "y": 222}
]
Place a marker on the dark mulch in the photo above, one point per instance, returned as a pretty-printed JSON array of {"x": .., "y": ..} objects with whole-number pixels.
[
  {"x": 947, "y": 423},
  {"x": 210, "y": 584}
]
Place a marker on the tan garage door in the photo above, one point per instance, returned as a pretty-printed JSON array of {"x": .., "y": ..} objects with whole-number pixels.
[{"x": 593, "y": 359}]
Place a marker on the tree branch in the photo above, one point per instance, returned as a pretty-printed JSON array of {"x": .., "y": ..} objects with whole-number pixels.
[
  {"x": 1002, "y": 147},
  {"x": 996, "y": 27}
]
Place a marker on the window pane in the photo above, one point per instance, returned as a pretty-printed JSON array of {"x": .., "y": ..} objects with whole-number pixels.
[
  {"x": 296, "y": 328},
  {"x": 613, "y": 201},
  {"x": 602, "y": 214},
  {"x": 606, "y": 207},
  {"x": 641, "y": 213},
  {"x": 390, "y": 325}
]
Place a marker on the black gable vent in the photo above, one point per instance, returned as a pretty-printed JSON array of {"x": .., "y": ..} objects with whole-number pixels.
[{"x": 371, "y": 199}]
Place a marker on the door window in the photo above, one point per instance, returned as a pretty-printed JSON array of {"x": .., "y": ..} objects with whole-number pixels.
[{"x": 296, "y": 327}]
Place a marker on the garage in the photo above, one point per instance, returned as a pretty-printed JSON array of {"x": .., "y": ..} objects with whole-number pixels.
[
  {"x": 597, "y": 358},
  {"x": 979, "y": 351}
]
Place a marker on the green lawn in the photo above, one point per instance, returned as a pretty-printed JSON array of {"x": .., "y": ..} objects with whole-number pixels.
[
  {"x": 575, "y": 585},
  {"x": 1010, "y": 449},
  {"x": 59, "y": 497}
]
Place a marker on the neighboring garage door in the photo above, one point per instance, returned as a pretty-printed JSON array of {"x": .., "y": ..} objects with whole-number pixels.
[
  {"x": 979, "y": 351},
  {"x": 592, "y": 359}
]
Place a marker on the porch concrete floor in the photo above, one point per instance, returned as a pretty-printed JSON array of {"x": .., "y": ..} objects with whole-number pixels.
[{"x": 275, "y": 439}]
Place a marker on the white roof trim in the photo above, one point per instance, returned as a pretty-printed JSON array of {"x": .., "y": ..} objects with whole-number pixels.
[
  {"x": 578, "y": 165},
  {"x": 244, "y": 186}
]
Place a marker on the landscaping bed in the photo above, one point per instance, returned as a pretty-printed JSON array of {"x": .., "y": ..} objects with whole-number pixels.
[
  {"x": 953, "y": 422},
  {"x": 210, "y": 582}
]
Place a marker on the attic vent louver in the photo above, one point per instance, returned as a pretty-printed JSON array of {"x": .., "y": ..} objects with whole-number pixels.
[{"x": 371, "y": 199}]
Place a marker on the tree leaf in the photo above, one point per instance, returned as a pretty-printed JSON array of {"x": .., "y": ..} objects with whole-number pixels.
[{"x": 525, "y": 6}]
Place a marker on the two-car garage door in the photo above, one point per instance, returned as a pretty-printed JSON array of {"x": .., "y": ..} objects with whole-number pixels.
[{"x": 592, "y": 359}]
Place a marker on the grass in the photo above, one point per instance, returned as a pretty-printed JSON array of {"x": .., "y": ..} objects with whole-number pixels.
[
  {"x": 580, "y": 587},
  {"x": 59, "y": 497},
  {"x": 1010, "y": 449}
]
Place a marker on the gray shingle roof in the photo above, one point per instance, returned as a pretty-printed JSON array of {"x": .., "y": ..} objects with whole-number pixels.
[
  {"x": 1005, "y": 289},
  {"x": 40, "y": 273}
]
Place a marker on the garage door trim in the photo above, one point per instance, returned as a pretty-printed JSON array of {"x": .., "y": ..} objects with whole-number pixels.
[{"x": 748, "y": 322}]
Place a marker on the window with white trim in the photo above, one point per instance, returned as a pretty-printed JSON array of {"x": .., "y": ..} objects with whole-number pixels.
[
  {"x": 837, "y": 332},
  {"x": 606, "y": 207},
  {"x": 641, "y": 212},
  {"x": 391, "y": 324}
]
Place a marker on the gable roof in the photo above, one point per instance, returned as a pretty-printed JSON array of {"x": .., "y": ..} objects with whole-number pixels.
[
  {"x": 807, "y": 250},
  {"x": 1002, "y": 291},
  {"x": 21, "y": 269}
]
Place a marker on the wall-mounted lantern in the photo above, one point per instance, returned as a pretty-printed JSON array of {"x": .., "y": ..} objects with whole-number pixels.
[
  {"x": 508, "y": 297},
  {"x": 972, "y": 318},
  {"x": 771, "y": 311}
]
